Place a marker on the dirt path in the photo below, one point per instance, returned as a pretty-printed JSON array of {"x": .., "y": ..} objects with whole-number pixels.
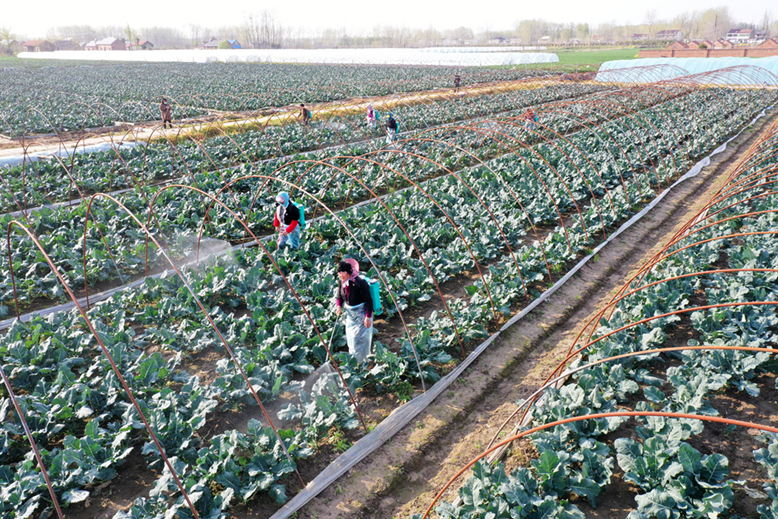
[{"x": 402, "y": 476}]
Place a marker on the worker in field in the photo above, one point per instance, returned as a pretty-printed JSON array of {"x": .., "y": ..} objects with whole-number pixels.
[
  {"x": 167, "y": 113},
  {"x": 305, "y": 114},
  {"x": 371, "y": 117},
  {"x": 530, "y": 118},
  {"x": 287, "y": 221},
  {"x": 391, "y": 129},
  {"x": 353, "y": 297},
  {"x": 457, "y": 82}
]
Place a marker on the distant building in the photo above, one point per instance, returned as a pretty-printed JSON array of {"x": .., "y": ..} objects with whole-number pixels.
[
  {"x": 640, "y": 37},
  {"x": 145, "y": 45},
  {"x": 772, "y": 43},
  {"x": 669, "y": 35},
  {"x": 66, "y": 45},
  {"x": 111, "y": 44},
  {"x": 106, "y": 44},
  {"x": 703, "y": 44},
  {"x": 740, "y": 35},
  {"x": 211, "y": 43},
  {"x": 38, "y": 46},
  {"x": 723, "y": 44},
  {"x": 713, "y": 49},
  {"x": 11, "y": 46},
  {"x": 497, "y": 40},
  {"x": 678, "y": 45},
  {"x": 544, "y": 39}
]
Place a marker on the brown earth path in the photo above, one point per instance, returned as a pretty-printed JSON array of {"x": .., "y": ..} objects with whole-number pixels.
[{"x": 403, "y": 475}]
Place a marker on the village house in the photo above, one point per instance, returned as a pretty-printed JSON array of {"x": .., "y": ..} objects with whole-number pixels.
[
  {"x": 678, "y": 45},
  {"x": 111, "y": 44},
  {"x": 38, "y": 46},
  {"x": 669, "y": 35},
  {"x": 106, "y": 44},
  {"x": 772, "y": 43},
  {"x": 10, "y": 46},
  {"x": 66, "y": 45},
  {"x": 213, "y": 44},
  {"x": 740, "y": 35}
]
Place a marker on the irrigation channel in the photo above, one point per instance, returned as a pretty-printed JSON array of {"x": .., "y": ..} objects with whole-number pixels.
[{"x": 209, "y": 388}]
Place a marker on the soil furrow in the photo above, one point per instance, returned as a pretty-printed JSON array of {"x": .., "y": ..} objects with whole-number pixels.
[{"x": 403, "y": 475}]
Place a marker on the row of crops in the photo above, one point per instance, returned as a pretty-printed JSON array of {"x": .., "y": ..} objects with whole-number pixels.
[
  {"x": 58, "y": 179},
  {"x": 59, "y": 99},
  {"x": 692, "y": 331},
  {"x": 485, "y": 196},
  {"x": 331, "y": 177}
]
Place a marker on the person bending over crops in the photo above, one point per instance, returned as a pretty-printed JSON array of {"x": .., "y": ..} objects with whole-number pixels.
[
  {"x": 167, "y": 113},
  {"x": 305, "y": 114},
  {"x": 371, "y": 120},
  {"x": 391, "y": 129},
  {"x": 287, "y": 221},
  {"x": 529, "y": 119},
  {"x": 353, "y": 295}
]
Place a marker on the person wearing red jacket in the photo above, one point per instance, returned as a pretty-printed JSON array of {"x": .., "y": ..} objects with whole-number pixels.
[{"x": 287, "y": 221}]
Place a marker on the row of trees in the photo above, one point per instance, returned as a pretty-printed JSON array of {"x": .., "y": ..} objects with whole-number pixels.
[{"x": 264, "y": 30}]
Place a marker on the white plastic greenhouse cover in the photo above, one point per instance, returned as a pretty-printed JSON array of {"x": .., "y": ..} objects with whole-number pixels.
[
  {"x": 671, "y": 68},
  {"x": 449, "y": 56}
]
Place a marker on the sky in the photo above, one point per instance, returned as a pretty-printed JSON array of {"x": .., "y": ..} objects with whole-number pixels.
[{"x": 357, "y": 17}]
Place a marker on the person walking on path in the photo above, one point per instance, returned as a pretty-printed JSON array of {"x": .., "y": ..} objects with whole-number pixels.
[
  {"x": 391, "y": 129},
  {"x": 305, "y": 114},
  {"x": 457, "y": 82},
  {"x": 371, "y": 120},
  {"x": 287, "y": 221},
  {"x": 353, "y": 296},
  {"x": 167, "y": 113}
]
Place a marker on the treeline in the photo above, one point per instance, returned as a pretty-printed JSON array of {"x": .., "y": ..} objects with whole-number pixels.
[{"x": 264, "y": 30}]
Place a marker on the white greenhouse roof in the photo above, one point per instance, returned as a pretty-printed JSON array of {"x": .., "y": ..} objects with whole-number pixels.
[
  {"x": 448, "y": 56},
  {"x": 729, "y": 71}
]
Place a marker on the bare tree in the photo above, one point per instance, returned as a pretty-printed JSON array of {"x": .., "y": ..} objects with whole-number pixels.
[
  {"x": 767, "y": 20},
  {"x": 196, "y": 33},
  {"x": 6, "y": 36},
  {"x": 682, "y": 22},
  {"x": 270, "y": 30},
  {"x": 651, "y": 21},
  {"x": 714, "y": 23}
]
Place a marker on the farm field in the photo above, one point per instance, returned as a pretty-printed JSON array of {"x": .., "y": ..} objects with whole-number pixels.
[
  {"x": 594, "y": 57},
  {"x": 61, "y": 99},
  {"x": 221, "y": 387}
]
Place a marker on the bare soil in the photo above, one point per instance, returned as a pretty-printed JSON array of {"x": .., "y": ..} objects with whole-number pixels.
[{"x": 403, "y": 475}]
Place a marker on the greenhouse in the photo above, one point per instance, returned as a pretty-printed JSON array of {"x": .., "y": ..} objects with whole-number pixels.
[
  {"x": 426, "y": 56},
  {"x": 749, "y": 71}
]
